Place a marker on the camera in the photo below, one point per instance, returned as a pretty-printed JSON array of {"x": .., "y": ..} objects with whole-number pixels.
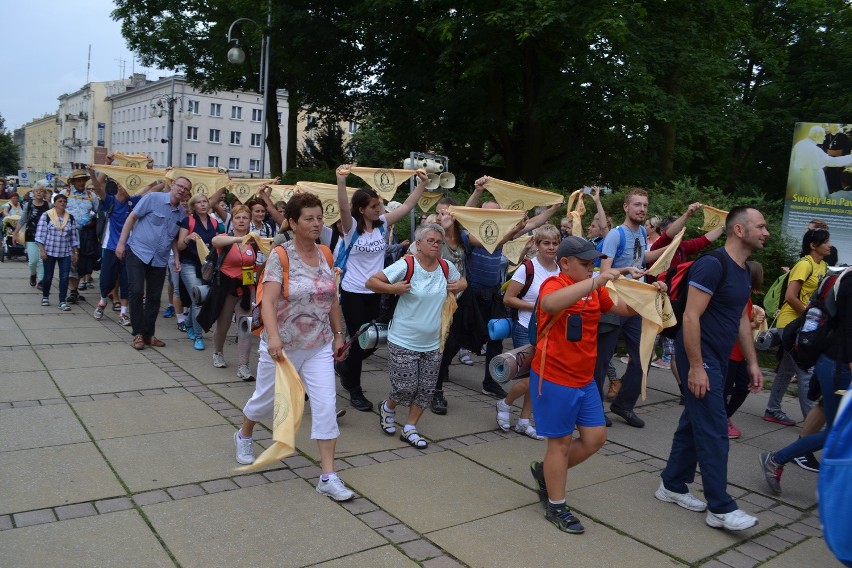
[{"x": 769, "y": 339}]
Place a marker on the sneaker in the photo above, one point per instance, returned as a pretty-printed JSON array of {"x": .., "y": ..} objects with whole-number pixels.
[
  {"x": 83, "y": 286},
  {"x": 504, "y": 415},
  {"x": 64, "y": 307},
  {"x": 99, "y": 311},
  {"x": 40, "y": 285},
  {"x": 190, "y": 333},
  {"x": 439, "y": 403},
  {"x": 737, "y": 520},
  {"x": 245, "y": 450},
  {"x": 661, "y": 364},
  {"x": 219, "y": 361},
  {"x": 359, "y": 401},
  {"x": 628, "y": 415},
  {"x": 169, "y": 312},
  {"x": 491, "y": 388},
  {"x": 807, "y": 462},
  {"x": 45, "y": 302},
  {"x": 244, "y": 373},
  {"x": 686, "y": 500},
  {"x": 124, "y": 320},
  {"x": 771, "y": 472},
  {"x": 778, "y": 417},
  {"x": 625, "y": 359},
  {"x": 564, "y": 520},
  {"x": 464, "y": 357},
  {"x": 198, "y": 344},
  {"x": 335, "y": 488},
  {"x": 32, "y": 280},
  {"x": 733, "y": 432},
  {"x": 537, "y": 470},
  {"x": 181, "y": 326},
  {"x": 527, "y": 430}
]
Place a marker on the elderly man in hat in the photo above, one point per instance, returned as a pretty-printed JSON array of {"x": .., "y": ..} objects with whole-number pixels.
[{"x": 83, "y": 205}]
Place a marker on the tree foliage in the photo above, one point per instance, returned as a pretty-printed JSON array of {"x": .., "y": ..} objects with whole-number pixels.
[
  {"x": 8, "y": 150},
  {"x": 324, "y": 148}
]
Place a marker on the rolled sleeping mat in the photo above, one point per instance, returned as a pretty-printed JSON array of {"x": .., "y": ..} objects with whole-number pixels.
[
  {"x": 512, "y": 364},
  {"x": 244, "y": 324},
  {"x": 500, "y": 328},
  {"x": 374, "y": 334},
  {"x": 199, "y": 294}
]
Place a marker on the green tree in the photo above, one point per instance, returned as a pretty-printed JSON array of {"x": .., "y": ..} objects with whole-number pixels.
[
  {"x": 8, "y": 151},
  {"x": 324, "y": 149}
]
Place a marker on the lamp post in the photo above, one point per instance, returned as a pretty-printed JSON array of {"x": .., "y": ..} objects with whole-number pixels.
[
  {"x": 166, "y": 103},
  {"x": 237, "y": 56}
]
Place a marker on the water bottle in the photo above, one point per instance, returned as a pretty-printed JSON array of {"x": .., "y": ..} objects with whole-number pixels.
[{"x": 812, "y": 320}]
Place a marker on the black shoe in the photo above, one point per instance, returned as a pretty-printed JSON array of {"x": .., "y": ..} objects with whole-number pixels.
[
  {"x": 40, "y": 285},
  {"x": 608, "y": 421},
  {"x": 808, "y": 462},
  {"x": 73, "y": 297},
  {"x": 359, "y": 401},
  {"x": 181, "y": 326},
  {"x": 32, "y": 280},
  {"x": 564, "y": 520},
  {"x": 439, "y": 403},
  {"x": 537, "y": 470},
  {"x": 629, "y": 416},
  {"x": 491, "y": 388}
]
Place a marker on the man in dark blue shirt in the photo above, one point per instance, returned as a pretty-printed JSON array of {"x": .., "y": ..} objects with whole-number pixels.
[{"x": 715, "y": 316}]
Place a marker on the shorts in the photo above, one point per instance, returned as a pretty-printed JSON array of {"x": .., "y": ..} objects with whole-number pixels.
[{"x": 559, "y": 408}]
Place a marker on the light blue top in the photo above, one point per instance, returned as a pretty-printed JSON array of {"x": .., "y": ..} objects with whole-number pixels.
[
  {"x": 416, "y": 323},
  {"x": 633, "y": 254},
  {"x": 157, "y": 226}
]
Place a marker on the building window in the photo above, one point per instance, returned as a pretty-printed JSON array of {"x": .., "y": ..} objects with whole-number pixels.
[
  {"x": 256, "y": 115},
  {"x": 192, "y": 106},
  {"x": 214, "y": 135},
  {"x": 192, "y": 133},
  {"x": 254, "y": 165},
  {"x": 353, "y": 127},
  {"x": 215, "y": 109},
  {"x": 191, "y": 160},
  {"x": 212, "y": 161},
  {"x": 233, "y": 163},
  {"x": 255, "y": 140},
  {"x": 235, "y": 138},
  {"x": 312, "y": 122},
  {"x": 237, "y": 112}
]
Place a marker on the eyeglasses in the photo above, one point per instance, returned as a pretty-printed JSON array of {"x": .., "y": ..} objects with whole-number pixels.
[
  {"x": 183, "y": 187},
  {"x": 433, "y": 242}
]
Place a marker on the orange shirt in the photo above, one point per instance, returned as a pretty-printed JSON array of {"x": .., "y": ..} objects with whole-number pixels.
[{"x": 570, "y": 363}]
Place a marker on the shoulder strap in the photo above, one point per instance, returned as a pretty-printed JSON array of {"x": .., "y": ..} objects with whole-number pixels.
[
  {"x": 409, "y": 268},
  {"x": 622, "y": 241},
  {"x": 191, "y": 223},
  {"x": 326, "y": 252},
  {"x": 529, "y": 268},
  {"x": 445, "y": 268}
]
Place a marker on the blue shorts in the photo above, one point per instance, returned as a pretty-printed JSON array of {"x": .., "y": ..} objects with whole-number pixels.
[{"x": 559, "y": 408}]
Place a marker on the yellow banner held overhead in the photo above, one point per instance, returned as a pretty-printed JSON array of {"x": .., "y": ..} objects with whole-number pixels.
[
  {"x": 665, "y": 260},
  {"x": 428, "y": 199},
  {"x": 713, "y": 218},
  {"x": 130, "y": 160},
  {"x": 245, "y": 189},
  {"x": 264, "y": 244},
  {"x": 203, "y": 180},
  {"x": 133, "y": 180},
  {"x": 656, "y": 311},
  {"x": 328, "y": 195},
  {"x": 382, "y": 180},
  {"x": 287, "y": 415},
  {"x": 489, "y": 226},
  {"x": 520, "y": 197},
  {"x": 281, "y": 193},
  {"x": 514, "y": 250},
  {"x": 576, "y": 210}
]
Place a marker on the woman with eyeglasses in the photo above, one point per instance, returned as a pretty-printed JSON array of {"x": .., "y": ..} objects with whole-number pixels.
[{"x": 414, "y": 357}]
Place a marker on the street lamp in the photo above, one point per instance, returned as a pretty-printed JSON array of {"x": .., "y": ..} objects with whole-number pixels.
[
  {"x": 165, "y": 103},
  {"x": 237, "y": 56}
]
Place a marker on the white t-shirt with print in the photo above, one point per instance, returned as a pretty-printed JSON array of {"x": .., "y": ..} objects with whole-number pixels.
[
  {"x": 540, "y": 274},
  {"x": 366, "y": 258}
]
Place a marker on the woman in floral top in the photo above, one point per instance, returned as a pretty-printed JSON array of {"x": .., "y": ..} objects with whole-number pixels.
[{"x": 308, "y": 326}]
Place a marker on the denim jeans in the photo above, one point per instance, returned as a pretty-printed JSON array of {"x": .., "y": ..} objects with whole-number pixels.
[
  {"x": 50, "y": 263},
  {"x": 34, "y": 260},
  {"x": 145, "y": 282},
  {"x": 113, "y": 269},
  {"x": 190, "y": 277}
]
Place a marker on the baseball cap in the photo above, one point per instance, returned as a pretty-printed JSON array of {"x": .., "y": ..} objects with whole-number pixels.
[{"x": 579, "y": 247}]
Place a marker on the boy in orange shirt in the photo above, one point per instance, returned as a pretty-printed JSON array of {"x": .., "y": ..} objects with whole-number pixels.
[{"x": 562, "y": 386}]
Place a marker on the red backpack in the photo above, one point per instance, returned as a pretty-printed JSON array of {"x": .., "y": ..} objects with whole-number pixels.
[{"x": 676, "y": 278}]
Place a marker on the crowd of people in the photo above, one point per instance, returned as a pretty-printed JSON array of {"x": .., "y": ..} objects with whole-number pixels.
[{"x": 560, "y": 289}]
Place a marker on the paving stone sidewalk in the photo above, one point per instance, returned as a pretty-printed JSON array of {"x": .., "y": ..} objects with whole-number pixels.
[{"x": 114, "y": 457}]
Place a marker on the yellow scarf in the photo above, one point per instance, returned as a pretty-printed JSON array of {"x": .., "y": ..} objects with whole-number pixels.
[
  {"x": 487, "y": 225},
  {"x": 264, "y": 245},
  {"x": 447, "y": 311},
  {"x": 287, "y": 417},
  {"x": 203, "y": 180},
  {"x": 133, "y": 180},
  {"x": 520, "y": 197},
  {"x": 54, "y": 218},
  {"x": 383, "y": 181},
  {"x": 245, "y": 189},
  {"x": 428, "y": 199},
  {"x": 514, "y": 249},
  {"x": 576, "y": 212},
  {"x": 281, "y": 193},
  {"x": 655, "y": 309},
  {"x": 328, "y": 195},
  {"x": 665, "y": 260},
  {"x": 713, "y": 218},
  {"x": 130, "y": 160}
]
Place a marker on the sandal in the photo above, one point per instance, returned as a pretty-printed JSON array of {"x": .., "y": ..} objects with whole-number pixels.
[
  {"x": 116, "y": 306},
  {"x": 528, "y": 430},
  {"x": 414, "y": 439},
  {"x": 504, "y": 416},
  {"x": 386, "y": 419}
]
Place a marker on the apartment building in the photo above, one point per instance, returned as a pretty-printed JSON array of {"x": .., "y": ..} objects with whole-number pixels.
[{"x": 41, "y": 136}]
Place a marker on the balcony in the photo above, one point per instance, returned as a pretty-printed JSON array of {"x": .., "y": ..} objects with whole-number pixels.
[{"x": 72, "y": 142}]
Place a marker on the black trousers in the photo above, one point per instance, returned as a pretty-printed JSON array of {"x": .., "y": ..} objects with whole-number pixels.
[
  {"x": 358, "y": 309},
  {"x": 145, "y": 286}
]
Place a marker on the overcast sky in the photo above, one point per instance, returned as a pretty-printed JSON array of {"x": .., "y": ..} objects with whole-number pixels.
[{"x": 47, "y": 44}]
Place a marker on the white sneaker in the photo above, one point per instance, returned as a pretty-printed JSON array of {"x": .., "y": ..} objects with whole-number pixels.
[
  {"x": 245, "y": 451},
  {"x": 335, "y": 488},
  {"x": 219, "y": 361},
  {"x": 737, "y": 520},
  {"x": 244, "y": 373},
  {"x": 686, "y": 500}
]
